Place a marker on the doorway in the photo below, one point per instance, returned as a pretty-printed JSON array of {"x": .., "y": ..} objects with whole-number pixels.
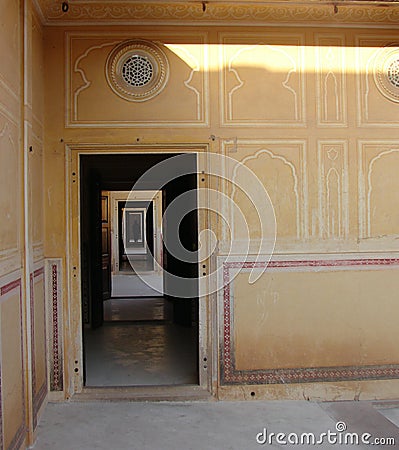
[
  {"x": 133, "y": 241},
  {"x": 135, "y": 331}
]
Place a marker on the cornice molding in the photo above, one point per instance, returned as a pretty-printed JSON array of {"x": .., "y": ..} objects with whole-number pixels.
[{"x": 232, "y": 13}]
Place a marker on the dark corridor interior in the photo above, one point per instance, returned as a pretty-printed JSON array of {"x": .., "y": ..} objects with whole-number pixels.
[
  {"x": 139, "y": 340},
  {"x": 136, "y": 262}
]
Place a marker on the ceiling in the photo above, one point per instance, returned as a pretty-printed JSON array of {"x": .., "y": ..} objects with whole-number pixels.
[{"x": 183, "y": 12}]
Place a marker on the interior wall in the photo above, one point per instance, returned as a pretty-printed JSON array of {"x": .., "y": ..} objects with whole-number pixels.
[
  {"x": 35, "y": 175},
  {"x": 300, "y": 107},
  {"x": 23, "y": 364}
]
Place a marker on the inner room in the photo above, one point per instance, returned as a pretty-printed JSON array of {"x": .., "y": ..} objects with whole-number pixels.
[{"x": 136, "y": 332}]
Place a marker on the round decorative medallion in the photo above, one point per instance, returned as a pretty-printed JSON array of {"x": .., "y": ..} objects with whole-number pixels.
[
  {"x": 137, "y": 70},
  {"x": 386, "y": 72},
  {"x": 393, "y": 73}
]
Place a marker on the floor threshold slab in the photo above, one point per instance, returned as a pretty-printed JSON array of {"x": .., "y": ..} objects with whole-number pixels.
[
  {"x": 386, "y": 404},
  {"x": 144, "y": 393}
]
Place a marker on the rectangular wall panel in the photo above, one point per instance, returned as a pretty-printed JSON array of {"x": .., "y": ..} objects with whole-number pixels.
[
  {"x": 309, "y": 320},
  {"x": 92, "y": 89},
  {"x": 38, "y": 341},
  {"x": 262, "y": 79},
  {"x": 13, "y": 401}
]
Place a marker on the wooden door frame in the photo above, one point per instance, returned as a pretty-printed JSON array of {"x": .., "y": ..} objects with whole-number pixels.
[{"x": 73, "y": 325}]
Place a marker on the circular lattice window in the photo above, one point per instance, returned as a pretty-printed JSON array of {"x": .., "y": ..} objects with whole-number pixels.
[
  {"x": 137, "y": 70},
  {"x": 386, "y": 72}
]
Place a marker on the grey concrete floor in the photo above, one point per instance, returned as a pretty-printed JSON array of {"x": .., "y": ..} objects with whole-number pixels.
[
  {"x": 208, "y": 425},
  {"x": 138, "y": 345},
  {"x": 137, "y": 309},
  {"x": 141, "y": 353}
]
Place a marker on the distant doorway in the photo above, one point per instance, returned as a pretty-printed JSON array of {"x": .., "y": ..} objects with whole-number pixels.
[
  {"x": 134, "y": 337},
  {"x": 135, "y": 241}
]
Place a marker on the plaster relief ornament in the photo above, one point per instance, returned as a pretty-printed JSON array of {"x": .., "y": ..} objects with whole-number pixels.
[
  {"x": 137, "y": 70},
  {"x": 386, "y": 72}
]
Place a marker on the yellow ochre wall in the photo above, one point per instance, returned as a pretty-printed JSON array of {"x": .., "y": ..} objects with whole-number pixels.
[
  {"x": 23, "y": 346},
  {"x": 298, "y": 105},
  {"x": 301, "y": 108}
]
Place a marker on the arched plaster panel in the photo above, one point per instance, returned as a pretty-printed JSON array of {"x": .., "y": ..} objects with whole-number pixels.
[
  {"x": 333, "y": 189},
  {"x": 281, "y": 168},
  {"x": 331, "y": 79},
  {"x": 9, "y": 183},
  {"x": 94, "y": 103},
  {"x": 262, "y": 79},
  {"x": 383, "y": 194},
  {"x": 378, "y": 189}
]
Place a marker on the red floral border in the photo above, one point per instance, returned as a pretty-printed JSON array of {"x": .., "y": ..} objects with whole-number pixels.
[{"x": 56, "y": 371}]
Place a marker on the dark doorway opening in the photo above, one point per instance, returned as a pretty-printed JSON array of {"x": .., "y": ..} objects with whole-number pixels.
[{"x": 152, "y": 340}]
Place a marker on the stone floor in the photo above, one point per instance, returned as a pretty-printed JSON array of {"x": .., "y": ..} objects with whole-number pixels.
[
  {"x": 129, "y": 284},
  {"x": 214, "y": 425},
  {"x": 137, "y": 309},
  {"x": 139, "y": 345},
  {"x": 140, "y": 353}
]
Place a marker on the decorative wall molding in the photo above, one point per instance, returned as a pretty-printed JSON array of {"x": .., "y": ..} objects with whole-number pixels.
[
  {"x": 4, "y": 85},
  {"x": 333, "y": 189},
  {"x": 9, "y": 103},
  {"x": 386, "y": 72},
  {"x": 291, "y": 155},
  {"x": 137, "y": 70},
  {"x": 38, "y": 251},
  {"x": 72, "y": 94},
  {"x": 53, "y": 270},
  {"x": 375, "y": 109},
  {"x": 230, "y": 375},
  {"x": 12, "y": 283},
  {"x": 371, "y": 154},
  {"x": 36, "y": 130},
  {"x": 37, "y": 127},
  {"x": 194, "y": 85},
  {"x": 10, "y": 257},
  {"x": 202, "y": 96},
  {"x": 127, "y": 12},
  {"x": 331, "y": 80},
  {"x": 277, "y": 78},
  {"x": 38, "y": 393},
  {"x": 35, "y": 180}
]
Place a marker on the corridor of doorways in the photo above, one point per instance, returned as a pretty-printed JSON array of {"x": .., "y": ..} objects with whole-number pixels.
[{"x": 134, "y": 332}]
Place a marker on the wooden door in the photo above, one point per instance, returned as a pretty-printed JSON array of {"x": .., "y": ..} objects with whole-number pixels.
[
  {"x": 105, "y": 246},
  {"x": 91, "y": 273},
  {"x": 97, "y": 309}
]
